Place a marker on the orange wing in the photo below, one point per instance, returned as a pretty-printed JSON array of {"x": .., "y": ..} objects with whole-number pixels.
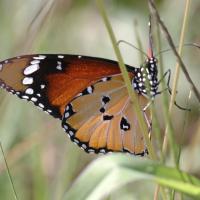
[
  {"x": 52, "y": 81},
  {"x": 102, "y": 118},
  {"x": 88, "y": 94}
]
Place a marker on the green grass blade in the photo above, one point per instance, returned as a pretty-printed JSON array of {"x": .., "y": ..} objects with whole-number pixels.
[
  {"x": 181, "y": 142},
  {"x": 11, "y": 182},
  {"x": 107, "y": 174}
]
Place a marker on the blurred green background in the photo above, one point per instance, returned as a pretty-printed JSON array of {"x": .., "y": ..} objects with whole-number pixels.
[{"x": 42, "y": 160}]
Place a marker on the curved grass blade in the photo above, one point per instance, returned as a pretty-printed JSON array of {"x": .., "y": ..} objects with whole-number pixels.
[{"x": 106, "y": 174}]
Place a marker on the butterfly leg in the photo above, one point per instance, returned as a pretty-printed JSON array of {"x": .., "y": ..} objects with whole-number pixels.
[
  {"x": 168, "y": 88},
  {"x": 169, "y": 76},
  {"x": 144, "y": 109}
]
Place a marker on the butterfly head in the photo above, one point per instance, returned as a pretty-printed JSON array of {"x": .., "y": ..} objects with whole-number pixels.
[{"x": 145, "y": 80}]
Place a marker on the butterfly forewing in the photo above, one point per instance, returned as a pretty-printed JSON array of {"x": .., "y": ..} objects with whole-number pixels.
[{"x": 51, "y": 81}]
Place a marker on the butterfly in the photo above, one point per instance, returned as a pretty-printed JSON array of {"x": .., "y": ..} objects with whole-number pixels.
[{"x": 88, "y": 95}]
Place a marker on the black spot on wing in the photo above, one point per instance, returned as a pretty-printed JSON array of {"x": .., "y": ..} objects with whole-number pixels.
[
  {"x": 124, "y": 124},
  {"x": 107, "y": 117},
  {"x": 105, "y": 99},
  {"x": 102, "y": 110}
]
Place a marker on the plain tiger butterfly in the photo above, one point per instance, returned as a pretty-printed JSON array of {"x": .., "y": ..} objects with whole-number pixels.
[{"x": 88, "y": 95}]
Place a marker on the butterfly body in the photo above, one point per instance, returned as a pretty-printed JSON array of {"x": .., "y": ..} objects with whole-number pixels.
[{"x": 146, "y": 78}]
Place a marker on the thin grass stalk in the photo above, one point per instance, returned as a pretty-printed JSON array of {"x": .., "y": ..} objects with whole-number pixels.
[
  {"x": 163, "y": 85},
  {"x": 7, "y": 169},
  {"x": 37, "y": 26},
  {"x": 182, "y": 135},
  {"x": 194, "y": 144},
  {"x": 171, "y": 106},
  {"x": 181, "y": 142},
  {"x": 174, "y": 85},
  {"x": 128, "y": 82},
  {"x": 138, "y": 41},
  {"x": 165, "y": 105}
]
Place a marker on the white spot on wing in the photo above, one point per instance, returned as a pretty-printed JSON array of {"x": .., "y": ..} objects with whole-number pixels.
[
  {"x": 35, "y": 62},
  {"x": 60, "y": 56},
  {"x": 59, "y": 67},
  {"x": 89, "y": 89},
  {"x": 125, "y": 126},
  {"x": 25, "y": 97},
  {"x": 1, "y": 67},
  {"x": 80, "y": 94},
  {"x": 84, "y": 146},
  {"x": 66, "y": 115},
  {"x": 76, "y": 141},
  {"x": 65, "y": 127},
  {"x": 29, "y": 91},
  {"x": 30, "y": 69},
  {"x": 71, "y": 133},
  {"x": 40, "y": 57},
  {"x": 27, "y": 80},
  {"x": 91, "y": 150},
  {"x": 33, "y": 99},
  {"x": 41, "y": 105},
  {"x": 102, "y": 151}
]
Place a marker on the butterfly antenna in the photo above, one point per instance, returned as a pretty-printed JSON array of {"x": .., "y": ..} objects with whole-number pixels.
[
  {"x": 150, "y": 53},
  {"x": 120, "y": 41},
  {"x": 191, "y": 44}
]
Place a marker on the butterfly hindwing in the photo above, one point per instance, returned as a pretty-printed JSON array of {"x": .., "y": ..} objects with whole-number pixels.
[{"x": 102, "y": 118}]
